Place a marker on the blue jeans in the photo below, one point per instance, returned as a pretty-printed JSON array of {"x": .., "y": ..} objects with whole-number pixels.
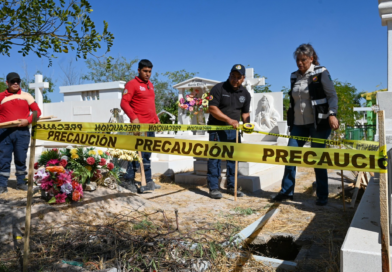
[
  {"x": 288, "y": 181},
  {"x": 214, "y": 165},
  {"x": 13, "y": 140},
  {"x": 134, "y": 165}
]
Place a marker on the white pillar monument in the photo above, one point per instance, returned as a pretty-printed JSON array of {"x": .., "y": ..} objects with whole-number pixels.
[
  {"x": 38, "y": 86},
  {"x": 384, "y": 99},
  {"x": 249, "y": 83}
]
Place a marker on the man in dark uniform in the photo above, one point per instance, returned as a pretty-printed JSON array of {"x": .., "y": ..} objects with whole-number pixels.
[{"x": 230, "y": 102}]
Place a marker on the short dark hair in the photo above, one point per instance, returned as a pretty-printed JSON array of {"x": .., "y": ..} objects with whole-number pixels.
[
  {"x": 307, "y": 50},
  {"x": 145, "y": 63}
]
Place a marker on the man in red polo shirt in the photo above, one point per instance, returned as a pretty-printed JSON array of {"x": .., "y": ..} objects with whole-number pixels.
[
  {"x": 138, "y": 102},
  {"x": 15, "y": 105}
]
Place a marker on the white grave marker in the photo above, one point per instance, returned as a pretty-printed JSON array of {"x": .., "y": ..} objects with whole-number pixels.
[{"x": 38, "y": 86}]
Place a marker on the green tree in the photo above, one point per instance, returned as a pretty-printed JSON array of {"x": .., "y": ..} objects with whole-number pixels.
[
  {"x": 169, "y": 94},
  {"x": 24, "y": 85},
  {"x": 48, "y": 27},
  {"x": 120, "y": 69},
  {"x": 286, "y": 101},
  {"x": 123, "y": 69},
  {"x": 348, "y": 98},
  {"x": 262, "y": 89},
  {"x": 3, "y": 86}
]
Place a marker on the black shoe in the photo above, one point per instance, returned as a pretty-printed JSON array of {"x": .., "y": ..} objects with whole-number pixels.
[
  {"x": 153, "y": 185},
  {"x": 215, "y": 194},
  {"x": 130, "y": 185},
  {"x": 281, "y": 197},
  {"x": 231, "y": 192},
  {"x": 321, "y": 202},
  {"x": 3, "y": 190}
]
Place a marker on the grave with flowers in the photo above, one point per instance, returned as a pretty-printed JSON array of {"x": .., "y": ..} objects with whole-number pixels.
[{"x": 63, "y": 174}]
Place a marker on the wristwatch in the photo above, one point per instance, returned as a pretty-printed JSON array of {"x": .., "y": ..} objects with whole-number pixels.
[{"x": 332, "y": 114}]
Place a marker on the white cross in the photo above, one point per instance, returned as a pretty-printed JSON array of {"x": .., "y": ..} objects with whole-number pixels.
[
  {"x": 38, "y": 86},
  {"x": 249, "y": 82}
]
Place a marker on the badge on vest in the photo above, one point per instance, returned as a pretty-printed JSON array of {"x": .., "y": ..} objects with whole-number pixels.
[
  {"x": 125, "y": 91},
  {"x": 315, "y": 78},
  {"x": 242, "y": 99}
]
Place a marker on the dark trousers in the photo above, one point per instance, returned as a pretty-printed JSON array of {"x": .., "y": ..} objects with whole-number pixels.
[
  {"x": 288, "y": 181},
  {"x": 13, "y": 140},
  {"x": 214, "y": 165},
  {"x": 134, "y": 165}
]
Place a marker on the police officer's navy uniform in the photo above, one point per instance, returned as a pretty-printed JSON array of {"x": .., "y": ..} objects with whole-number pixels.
[{"x": 232, "y": 103}]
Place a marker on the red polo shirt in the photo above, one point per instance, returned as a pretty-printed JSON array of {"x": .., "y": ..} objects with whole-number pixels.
[
  {"x": 138, "y": 101},
  {"x": 17, "y": 106}
]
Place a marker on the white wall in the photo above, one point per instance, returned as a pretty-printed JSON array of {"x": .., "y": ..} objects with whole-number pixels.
[
  {"x": 82, "y": 111},
  {"x": 72, "y": 97},
  {"x": 110, "y": 94}
]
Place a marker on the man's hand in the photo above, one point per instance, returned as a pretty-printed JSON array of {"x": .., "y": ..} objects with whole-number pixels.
[
  {"x": 23, "y": 122},
  {"x": 136, "y": 121},
  {"x": 233, "y": 123},
  {"x": 333, "y": 122}
]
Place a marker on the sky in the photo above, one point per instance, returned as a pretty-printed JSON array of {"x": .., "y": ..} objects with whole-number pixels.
[{"x": 210, "y": 36}]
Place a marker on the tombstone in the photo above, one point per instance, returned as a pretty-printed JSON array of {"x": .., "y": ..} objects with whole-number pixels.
[
  {"x": 196, "y": 87},
  {"x": 249, "y": 83}
]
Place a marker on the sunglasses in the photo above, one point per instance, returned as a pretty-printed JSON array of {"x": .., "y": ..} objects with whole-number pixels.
[{"x": 15, "y": 81}]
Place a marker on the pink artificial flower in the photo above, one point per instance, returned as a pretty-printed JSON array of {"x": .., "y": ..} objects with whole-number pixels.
[
  {"x": 79, "y": 188},
  {"x": 64, "y": 177},
  {"x": 110, "y": 166},
  {"x": 46, "y": 184},
  {"x": 36, "y": 166},
  {"x": 182, "y": 100},
  {"x": 192, "y": 102},
  {"x": 53, "y": 162},
  {"x": 107, "y": 153},
  {"x": 55, "y": 150},
  {"x": 60, "y": 198},
  {"x": 90, "y": 160},
  {"x": 63, "y": 163},
  {"x": 102, "y": 162},
  {"x": 190, "y": 109}
]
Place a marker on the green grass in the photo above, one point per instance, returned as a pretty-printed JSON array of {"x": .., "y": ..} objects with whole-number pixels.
[
  {"x": 244, "y": 211},
  {"x": 145, "y": 224}
]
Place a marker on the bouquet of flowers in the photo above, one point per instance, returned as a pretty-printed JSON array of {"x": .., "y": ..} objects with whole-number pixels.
[
  {"x": 206, "y": 98},
  {"x": 85, "y": 163},
  {"x": 125, "y": 155},
  {"x": 58, "y": 183},
  {"x": 192, "y": 104}
]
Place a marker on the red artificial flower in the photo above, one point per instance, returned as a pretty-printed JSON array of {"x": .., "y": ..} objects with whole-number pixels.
[
  {"x": 102, "y": 162},
  {"x": 63, "y": 163},
  {"x": 55, "y": 150},
  {"x": 90, "y": 160},
  {"x": 36, "y": 166},
  {"x": 110, "y": 166},
  {"x": 107, "y": 153},
  {"x": 74, "y": 184},
  {"x": 76, "y": 195}
]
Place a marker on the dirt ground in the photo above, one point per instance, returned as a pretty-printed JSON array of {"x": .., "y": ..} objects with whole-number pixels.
[{"x": 319, "y": 231}]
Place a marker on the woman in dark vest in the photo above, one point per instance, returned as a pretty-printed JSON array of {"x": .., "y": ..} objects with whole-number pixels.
[{"x": 312, "y": 113}]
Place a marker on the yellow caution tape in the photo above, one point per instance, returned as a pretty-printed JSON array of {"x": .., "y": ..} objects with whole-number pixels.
[
  {"x": 369, "y": 161},
  {"x": 247, "y": 128}
]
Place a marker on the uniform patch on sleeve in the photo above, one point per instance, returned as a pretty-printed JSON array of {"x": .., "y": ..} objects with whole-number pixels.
[{"x": 125, "y": 91}]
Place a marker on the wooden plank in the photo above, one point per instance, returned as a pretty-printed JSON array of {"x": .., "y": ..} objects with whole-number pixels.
[
  {"x": 236, "y": 170},
  {"x": 384, "y": 213},
  {"x": 26, "y": 250},
  {"x": 343, "y": 197},
  {"x": 10, "y": 124},
  {"x": 356, "y": 189}
]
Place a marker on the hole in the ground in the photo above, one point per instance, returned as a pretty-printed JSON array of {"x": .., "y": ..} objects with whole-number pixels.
[{"x": 280, "y": 247}]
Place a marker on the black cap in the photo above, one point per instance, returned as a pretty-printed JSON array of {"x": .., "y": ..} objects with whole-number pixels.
[
  {"x": 239, "y": 68},
  {"x": 12, "y": 76}
]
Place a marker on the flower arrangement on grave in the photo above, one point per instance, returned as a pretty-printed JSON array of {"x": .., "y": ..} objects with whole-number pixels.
[
  {"x": 192, "y": 104},
  {"x": 86, "y": 164},
  {"x": 58, "y": 183},
  {"x": 125, "y": 155}
]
